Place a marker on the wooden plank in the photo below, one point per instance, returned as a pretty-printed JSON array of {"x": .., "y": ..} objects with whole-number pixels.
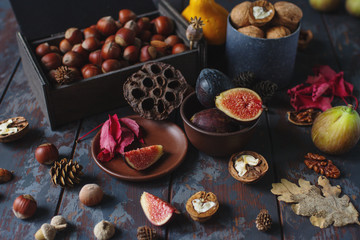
[
  {"x": 30, "y": 177},
  {"x": 290, "y": 143},
  {"x": 121, "y": 203},
  {"x": 8, "y": 49},
  {"x": 239, "y": 203}
]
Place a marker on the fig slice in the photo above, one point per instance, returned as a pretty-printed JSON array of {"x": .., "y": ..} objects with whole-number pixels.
[
  {"x": 241, "y": 104},
  {"x": 157, "y": 211},
  {"x": 19, "y": 123},
  {"x": 142, "y": 158}
]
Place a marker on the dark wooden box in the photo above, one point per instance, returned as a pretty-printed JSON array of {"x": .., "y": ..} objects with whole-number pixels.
[{"x": 67, "y": 103}]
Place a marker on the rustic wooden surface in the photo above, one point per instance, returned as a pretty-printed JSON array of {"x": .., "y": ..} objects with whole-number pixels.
[{"x": 336, "y": 43}]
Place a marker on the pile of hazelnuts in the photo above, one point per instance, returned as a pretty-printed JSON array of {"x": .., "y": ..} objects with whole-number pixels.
[{"x": 111, "y": 45}]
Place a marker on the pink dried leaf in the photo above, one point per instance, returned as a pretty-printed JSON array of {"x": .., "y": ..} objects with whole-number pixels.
[
  {"x": 127, "y": 137},
  {"x": 109, "y": 136},
  {"x": 105, "y": 156},
  {"x": 133, "y": 126}
]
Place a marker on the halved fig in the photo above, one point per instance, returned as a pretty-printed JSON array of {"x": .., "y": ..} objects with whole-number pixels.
[
  {"x": 13, "y": 129},
  {"x": 143, "y": 158},
  {"x": 242, "y": 104}
]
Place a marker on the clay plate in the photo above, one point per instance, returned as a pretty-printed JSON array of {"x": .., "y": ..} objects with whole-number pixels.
[{"x": 165, "y": 133}]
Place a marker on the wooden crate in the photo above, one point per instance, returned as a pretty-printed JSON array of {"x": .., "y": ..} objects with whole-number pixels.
[{"x": 67, "y": 103}]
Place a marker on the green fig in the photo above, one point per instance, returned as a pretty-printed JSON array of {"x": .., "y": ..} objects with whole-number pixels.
[
  {"x": 336, "y": 130},
  {"x": 325, "y": 5},
  {"x": 353, "y": 7}
]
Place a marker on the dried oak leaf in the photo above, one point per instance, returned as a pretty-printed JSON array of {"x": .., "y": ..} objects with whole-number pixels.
[{"x": 324, "y": 209}]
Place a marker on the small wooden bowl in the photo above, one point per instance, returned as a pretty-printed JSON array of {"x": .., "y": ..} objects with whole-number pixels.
[
  {"x": 21, "y": 124},
  {"x": 252, "y": 175}
]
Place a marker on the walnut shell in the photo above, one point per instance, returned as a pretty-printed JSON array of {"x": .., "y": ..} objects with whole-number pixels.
[
  {"x": 17, "y": 122},
  {"x": 277, "y": 32},
  {"x": 155, "y": 90},
  {"x": 252, "y": 31},
  {"x": 239, "y": 15},
  {"x": 254, "y": 173},
  {"x": 287, "y": 14},
  {"x": 267, "y": 7},
  {"x": 202, "y": 217}
]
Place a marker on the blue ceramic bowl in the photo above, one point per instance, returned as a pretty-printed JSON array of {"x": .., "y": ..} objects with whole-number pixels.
[{"x": 269, "y": 59}]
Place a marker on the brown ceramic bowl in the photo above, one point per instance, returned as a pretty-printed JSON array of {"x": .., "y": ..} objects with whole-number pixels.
[{"x": 213, "y": 144}]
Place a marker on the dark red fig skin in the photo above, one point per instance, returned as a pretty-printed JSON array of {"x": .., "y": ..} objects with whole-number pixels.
[{"x": 213, "y": 120}]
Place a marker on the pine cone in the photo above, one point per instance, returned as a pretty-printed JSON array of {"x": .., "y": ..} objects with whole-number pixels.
[
  {"x": 64, "y": 74},
  {"x": 266, "y": 89},
  {"x": 66, "y": 173},
  {"x": 244, "y": 80},
  {"x": 146, "y": 233},
  {"x": 263, "y": 220}
]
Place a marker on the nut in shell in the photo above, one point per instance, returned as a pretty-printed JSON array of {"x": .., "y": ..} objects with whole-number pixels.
[
  {"x": 5, "y": 175},
  {"x": 204, "y": 198},
  {"x": 239, "y": 15},
  {"x": 261, "y": 12},
  {"x": 305, "y": 38},
  {"x": 19, "y": 127},
  {"x": 253, "y": 173},
  {"x": 252, "y": 31},
  {"x": 277, "y": 32},
  {"x": 104, "y": 230},
  {"x": 155, "y": 90},
  {"x": 287, "y": 14}
]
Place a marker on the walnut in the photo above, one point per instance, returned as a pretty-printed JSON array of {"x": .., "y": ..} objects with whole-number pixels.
[
  {"x": 261, "y": 12},
  {"x": 277, "y": 32},
  {"x": 321, "y": 165},
  {"x": 303, "y": 118},
  {"x": 252, "y": 31},
  {"x": 287, "y": 14},
  {"x": 239, "y": 15}
]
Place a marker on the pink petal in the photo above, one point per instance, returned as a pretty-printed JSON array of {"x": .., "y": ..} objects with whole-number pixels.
[
  {"x": 127, "y": 137},
  {"x": 133, "y": 126}
]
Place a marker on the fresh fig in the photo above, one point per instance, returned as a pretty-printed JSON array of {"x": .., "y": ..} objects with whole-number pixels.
[
  {"x": 336, "y": 130},
  {"x": 353, "y": 7},
  {"x": 157, "y": 211},
  {"x": 143, "y": 158},
  {"x": 213, "y": 120},
  {"x": 241, "y": 104},
  {"x": 210, "y": 83}
]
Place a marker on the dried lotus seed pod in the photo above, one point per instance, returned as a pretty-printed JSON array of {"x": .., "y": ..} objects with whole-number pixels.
[
  {"x": 277, "y": 32},
  {"x": 252, "y": 31},
  {"x": 155, "y": 90},
  {"x": 240, "y": 14},
  {"x": 287, "y": 14}
]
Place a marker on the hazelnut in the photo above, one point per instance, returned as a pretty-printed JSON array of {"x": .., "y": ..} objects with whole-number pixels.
[
  {"x": 131, "y": 53},
  {"x": 55, "y": 49},
  {"x": 137, "y": 43},
  {"x": 110, "y": 38},
  {"x": 106, "y": 26},
  {"x": 91, "y": 44},
  {"x": 160, "y": 46},
  {"x": 132, "y": 26},
  {"x": 74, "y": 35},
  {"x": 96, "y": 58},
  {"x": 172, "y": 40},
  {"x": 42, "y": 49},
  {"x": 65, "y": 46},
  {"x": 5, "y": 175},
  {"x": 252, "y": 31},
  {"x": 91, "y": 195},
  {"x": 110, "y": 50},
  {"x": 110, "y": 65},
  {"x": 92, "y": 32},
  {"x": 51, "y": 61},
  {"x": 104, "y": 230},
  {"x": 277, "y": 32},
  {"x": 143, "y": 24},
  {"x": 164, "y": 25},
  {"x": 126, "y": 15},
  {"x": 239, "y": 15},
  {"x": 46, "y": 153},
  {"x": 145, "y": 36},
  {"x": 125, "y": 37},
  {"x": 24, "y": 206},
  {"x": 158, "y": 37},
  {"x": 73, "y": 59},
  {"x": 79, "y": 49},
  {"x": 90, "y": 70},
  {"x": 147, "y": 53},
  {"x": 178, "y": 48},
  {"x": 46, "y": 232}
]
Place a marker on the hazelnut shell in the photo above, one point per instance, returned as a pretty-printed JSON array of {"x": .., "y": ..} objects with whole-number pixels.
[{"x": 251, "y": 175}]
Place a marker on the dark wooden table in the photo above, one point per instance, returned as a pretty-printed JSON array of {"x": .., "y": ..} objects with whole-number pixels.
[{"x": 336, "y": 43}]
